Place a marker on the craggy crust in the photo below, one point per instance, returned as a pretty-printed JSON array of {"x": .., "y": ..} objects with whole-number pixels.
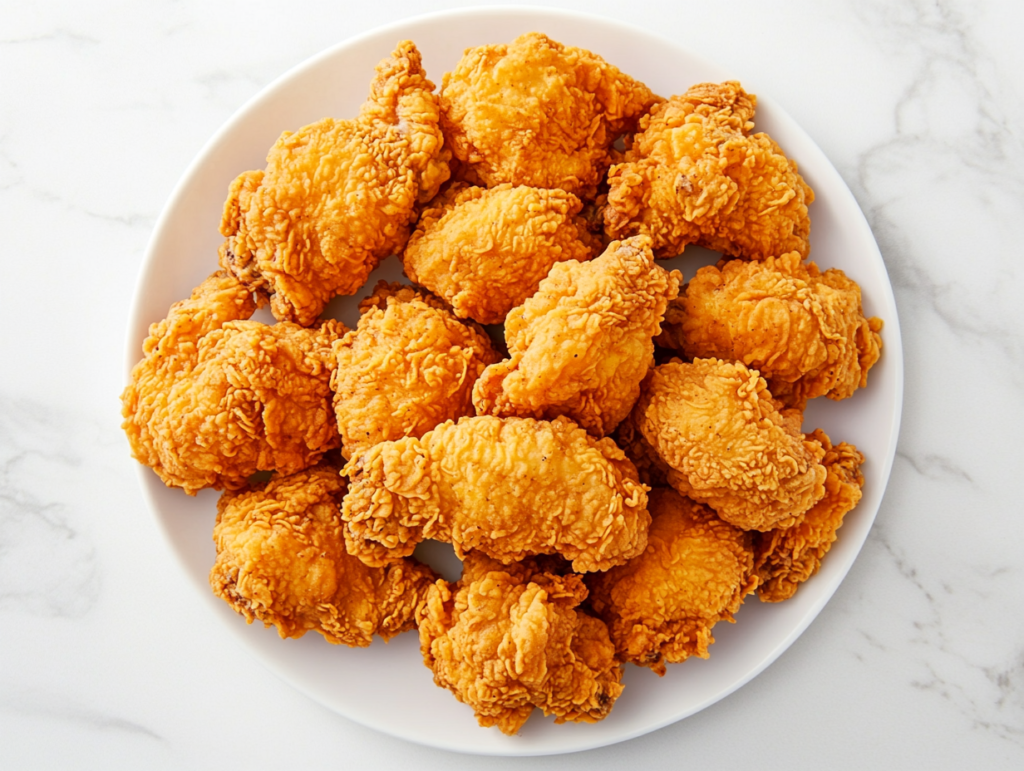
[
  {"x": 337, "y": 196},
  {"x": 695, "y": 175},
  {"x": 506, "y": 639},
  {"x": 535, "y": 112},
  {"x": 408, "y": 366},
  {"x": 717, "y": 429},
  {"x": 509, "y": 488},
  {"x": 802, "y": 329},
  {"x": 787, "y": 557},
  {"x": 485, "y": 251},
  {"x": 582, "y": 344},
  {"x": 696, "y": 570},
  {"x": 217, "y": 398},
  {"x": 281, "y": 559}
]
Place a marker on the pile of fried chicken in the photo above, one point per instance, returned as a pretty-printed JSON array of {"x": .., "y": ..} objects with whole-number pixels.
[{"x": 607, "y": 509}]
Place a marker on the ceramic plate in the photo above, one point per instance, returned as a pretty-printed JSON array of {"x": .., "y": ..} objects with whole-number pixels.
[{"x": 387, "y": 687}]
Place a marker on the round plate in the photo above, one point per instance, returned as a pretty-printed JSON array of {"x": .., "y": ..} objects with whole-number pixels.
[{"x": 387, "y": 687}]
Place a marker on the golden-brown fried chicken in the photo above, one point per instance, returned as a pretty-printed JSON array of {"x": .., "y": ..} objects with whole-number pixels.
[
  {"x": 535, "y": 112},
  {"x": 281, "y": 559},
  {"x": 582, "y": 344},
  {"x": 696, "y": 570},
  {"x": 695, "y": 175},
  {"x": 408, "y": 366},
  {"x": 507, "y": 639},
  {"x": 788, "y": 556},
  {"x": 509, "y": 488},
  {"x": 802, "y": 329},
  {"x": 217, "y": 398},
  {"x": 485, "y": 251},
  {"x": 716, "y": 427},
  {"x": 337, "y": 196}
]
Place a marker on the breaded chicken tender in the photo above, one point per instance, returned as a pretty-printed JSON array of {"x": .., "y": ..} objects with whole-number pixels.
[
  {"x": 337, "y": 196},
  {"x": 408, "y": 366},
  {"x": 661, "y": 606},
  {"x": 217, "y": 398},
  {"x": 539, "y": 113},
  {"x": 507, "y": 639},
  {"x": 716, "y": 427},
  {"x": 281, "y": 559},
  {"x": 787, "y": 557},
  {"x": 802, "y": 329},
  {"x": 485, "y": 251},
  {"x": 695, "y": 175},
  {"x": 582, "y": 344},
  {"x": 510, "y": 488}
]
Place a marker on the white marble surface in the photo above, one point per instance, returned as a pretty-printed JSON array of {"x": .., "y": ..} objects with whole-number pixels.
[{"x": 107, "y": 660}]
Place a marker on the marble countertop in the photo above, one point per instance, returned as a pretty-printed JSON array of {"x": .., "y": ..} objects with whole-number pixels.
[{"x": 106, "y": 658}]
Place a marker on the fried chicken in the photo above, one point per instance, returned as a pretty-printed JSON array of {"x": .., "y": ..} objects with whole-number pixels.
[
  {"x": 788, "y": 556},
  {"x": 716, "y": 427},
  {"x": 535, "y": 112},
  {"x": 281, "y": 559},
  {"x": 661, "y": 606},
  {"x": 217, "y": 398},
  {"x": 408, "y": 366},
  {"x": 337, "y": 196},
  {"x": 485, "y": 251},
  {"x": 802, "y": 329},
  {"x": 582, "y": 344},
  {"x": 695, "y": 175},
  {"x": 509, "y": 488},
  {"x": 507, "y": 639}
]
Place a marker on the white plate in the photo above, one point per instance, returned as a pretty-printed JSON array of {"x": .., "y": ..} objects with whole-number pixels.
[{"x": 386, "y": 686}]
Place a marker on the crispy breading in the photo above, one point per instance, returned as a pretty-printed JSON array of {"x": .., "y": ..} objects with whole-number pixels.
[
  {"x": 217, "y": 398},
  {"x": 695, "y": 175},
  {"x": 507, "y": 639},
  {"x": 508, "y": 487},
  {"x": 485, "y": 251},
  {"x": 281, "y": 559},
  {"x": 582, "y": 344},
  {"x": 536, "y": 112},
  {"x": 661, "y": 606},
  {"x": 337, "y": 196}
]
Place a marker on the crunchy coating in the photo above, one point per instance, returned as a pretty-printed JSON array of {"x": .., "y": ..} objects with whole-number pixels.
[
  {"x": 661, "y": 606},
  {"x": 539, "y": 113},
  {"x": 408, "y": 366},
  {"x": 787, "y": 557},
  {"x": 486, "y": 251},
  {"x": 217, "y": 398},
  {"x": 281, "y": 559},
  {"x": 717, "y": 429},
  {"x": 582, "y": 344},
  {"x": 802, "y": 329},
  {"x": 695, "y": 175},
  {"x": 507, "y": 639},
  {"x": 337, "y": 196},
  {"x": 509, "y": 488}
]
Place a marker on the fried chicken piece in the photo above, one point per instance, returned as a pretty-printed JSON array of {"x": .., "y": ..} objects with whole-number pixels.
[
  {"x": 787, "y": 557},
  {"x": 661, "y": 606},
  {"x": 281, "y": 559},
  {"x": 217, "y": 398},
  {"x": 582, "y": 344},
  {"x": 408, "y": 366},
  {"x": 485, "y": 251},
  {"x": 535, "y": 112},
  {"x": 337, "y": 196},
  {"x": 695, "y": 175},
  {"x": 716, "y": 427},
  {"x": 802, "y": 329},
  {"x": 507, "y": 639},
  {"x": 509, "y": 488}
]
